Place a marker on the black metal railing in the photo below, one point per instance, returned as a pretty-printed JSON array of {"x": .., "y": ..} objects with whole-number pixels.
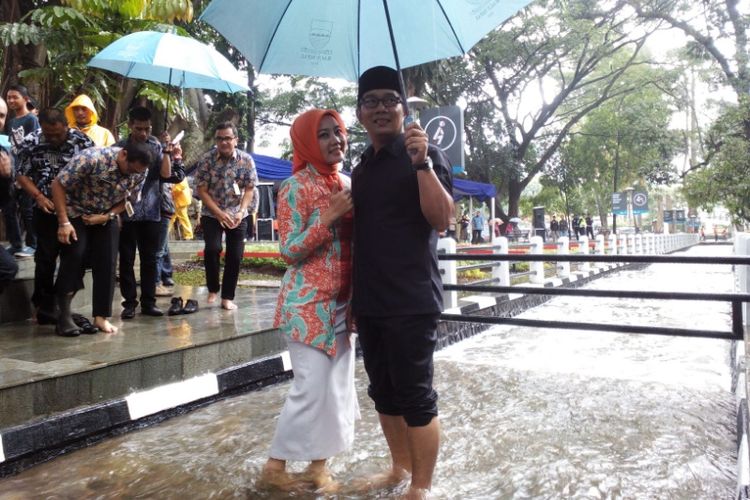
[{"x": 735, "y": 299}]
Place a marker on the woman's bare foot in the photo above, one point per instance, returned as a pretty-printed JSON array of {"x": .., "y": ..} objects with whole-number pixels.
[
  {"x": 322, "y": 479},
  {"x": 228, "y": 305},
  {"x": 279, "y": 479},
  {"x": 103, "y": 325},
  {"x": 212, "y": 297}
]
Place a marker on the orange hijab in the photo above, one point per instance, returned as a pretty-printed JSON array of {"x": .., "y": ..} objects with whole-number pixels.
[{"x": 304, "y": 135}]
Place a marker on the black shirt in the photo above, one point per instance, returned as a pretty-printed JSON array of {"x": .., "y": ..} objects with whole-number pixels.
[{"x": 395, "y": 256}]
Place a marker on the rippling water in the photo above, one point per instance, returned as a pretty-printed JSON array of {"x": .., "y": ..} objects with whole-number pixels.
[{"x": 526, "y": 413}]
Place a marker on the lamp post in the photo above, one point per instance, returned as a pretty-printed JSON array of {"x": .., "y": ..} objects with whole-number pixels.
[{"x": 629, "y": 203}]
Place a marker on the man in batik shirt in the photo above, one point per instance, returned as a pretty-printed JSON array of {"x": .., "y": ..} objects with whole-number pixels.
[
  {"x": 41, "y": 156},
  {"x": 225, "y": 180},
  {"x": 89, "y": 194}
]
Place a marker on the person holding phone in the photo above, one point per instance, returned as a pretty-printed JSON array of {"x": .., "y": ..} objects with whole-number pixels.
[
  {"x": 315, "y": 238},
  {"x": 224, "y": 179},
  {"x": 402, "y": 199}
]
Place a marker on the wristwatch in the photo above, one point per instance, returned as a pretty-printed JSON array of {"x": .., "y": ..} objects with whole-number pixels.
[
  {"x": 112, "y": 216},
  {"x": 427, "y": 165}
]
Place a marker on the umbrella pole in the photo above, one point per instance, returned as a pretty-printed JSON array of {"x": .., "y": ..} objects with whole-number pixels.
[
  {"x": 169, "y": 92},
  {"x": 395, "y": 56}
]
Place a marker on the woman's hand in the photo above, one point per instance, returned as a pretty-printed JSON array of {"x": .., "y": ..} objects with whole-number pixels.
[{"x": 341, "y": 203}]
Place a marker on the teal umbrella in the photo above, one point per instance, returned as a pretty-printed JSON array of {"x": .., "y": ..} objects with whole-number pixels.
[
  {"x": 172, "y": 59},
  {"x": 343, "y": 38}
]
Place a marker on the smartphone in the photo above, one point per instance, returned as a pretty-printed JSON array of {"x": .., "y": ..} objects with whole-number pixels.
[{"x": 178, "y": 137}]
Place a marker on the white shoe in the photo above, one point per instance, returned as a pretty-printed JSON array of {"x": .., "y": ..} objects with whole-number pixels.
[{"x": 163, "y": 291}]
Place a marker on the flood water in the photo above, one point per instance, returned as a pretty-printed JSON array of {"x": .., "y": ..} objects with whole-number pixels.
[{"x": 526, "y": 413}]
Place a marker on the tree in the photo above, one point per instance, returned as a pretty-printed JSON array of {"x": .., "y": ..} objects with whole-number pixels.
[
  {"x": 719, "y": 28},
  {"x": 50, "y": 43},
  {"x": 556, "y": 52},
  {"x": 623, "y": 141}
]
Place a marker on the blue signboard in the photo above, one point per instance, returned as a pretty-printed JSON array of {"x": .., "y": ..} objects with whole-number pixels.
[
  {"x": 619, "y": 204},
  {"x": 640, "y": 202}
]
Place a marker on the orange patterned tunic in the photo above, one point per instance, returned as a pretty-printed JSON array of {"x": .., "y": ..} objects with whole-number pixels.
[{"x": 319, "y": 268}]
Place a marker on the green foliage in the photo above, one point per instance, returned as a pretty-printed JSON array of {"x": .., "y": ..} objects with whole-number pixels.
[{"x": 725, "y": 181}]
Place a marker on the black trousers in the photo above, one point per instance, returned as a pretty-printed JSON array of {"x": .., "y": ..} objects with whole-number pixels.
[
  {"x": 10, "y": 214},
  {"x": 8, "y": 268},
  {"x": 45, "y": 260},
  {"x": 100, "y": 244},
  {"x": 212, "y": 232},
  {"x": 143, "y": 235},
  {"x": 397, "y": 353}
]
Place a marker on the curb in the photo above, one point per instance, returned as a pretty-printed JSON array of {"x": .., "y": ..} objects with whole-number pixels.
[{"x": 45, "y": 439}]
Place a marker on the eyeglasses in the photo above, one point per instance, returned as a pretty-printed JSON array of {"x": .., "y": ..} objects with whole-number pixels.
[
  {"x": 224, "y": 138},
  {"x": 390, "y": 101}
]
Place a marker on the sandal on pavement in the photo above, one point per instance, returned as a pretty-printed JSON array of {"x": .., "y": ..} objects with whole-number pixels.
[
  {"x": 84, "y": 324},
  {"x": 176, "y": 307},
  {"x": 190, "y": 306}
]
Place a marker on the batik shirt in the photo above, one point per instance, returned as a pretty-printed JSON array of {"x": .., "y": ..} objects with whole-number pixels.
[
  {"x": 147, "y": 207},
  {"x": 219, "y": 177},
  {"x": 319, "y": 266},
  {"x": 40, "y": 161},
  {"x": 94, "y": 184}
]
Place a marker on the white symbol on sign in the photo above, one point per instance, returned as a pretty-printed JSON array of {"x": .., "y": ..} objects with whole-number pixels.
[
  {"x": 445, "y": 127},
  {"x": 437, "y": 138},
  {"x": 639, "y": 199}
]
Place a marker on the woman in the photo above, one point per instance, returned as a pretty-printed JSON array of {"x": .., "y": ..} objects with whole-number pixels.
[{"x": 315, "y": 227}]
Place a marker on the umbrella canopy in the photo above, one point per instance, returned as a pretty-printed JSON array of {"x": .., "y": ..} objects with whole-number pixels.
[
  {"x": 172, "y": 59},
  {"x": 344, "y": 38}
]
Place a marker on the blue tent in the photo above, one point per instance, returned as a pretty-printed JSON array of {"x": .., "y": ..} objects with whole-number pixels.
[
  {"x": 276, "y": 169},
  {"x": 272, "y": 169},
  {"x": 463, "y": 188}
]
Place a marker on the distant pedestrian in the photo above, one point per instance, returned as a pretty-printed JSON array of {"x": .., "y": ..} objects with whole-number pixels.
[
  {"x": 589, "y": 226},
  {"x": 464, "y": 224},
  {"x": 477, "y": 225},
  {"x": 554, "y": 229}
]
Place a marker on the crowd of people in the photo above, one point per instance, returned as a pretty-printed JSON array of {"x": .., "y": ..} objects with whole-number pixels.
[
  {"x": 93, "y": 200},
  {"x": 74, "y": 199}
]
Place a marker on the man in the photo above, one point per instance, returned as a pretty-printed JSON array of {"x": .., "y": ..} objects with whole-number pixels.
[
  {"x": 589, "y": 226},
  {"x": 22, "y": 123},
  {"x": 477, "y": 225},
  {"x": 164, "y": 281},
  {"x": 225, "y": 179},
  {"x": 89, "y": 194},
  {"x": 401, "y": 191},
  {"x": 141, "y": 226},
  {"x": 554, "y": 229},
  {"x": 8, "y": 266},
  {"x": 82, "y": 115},
  {"x": 41, "y": 156}
]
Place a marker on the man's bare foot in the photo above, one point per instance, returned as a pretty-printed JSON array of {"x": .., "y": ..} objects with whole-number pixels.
[
  {"x": 271, "y": 478},
  {"x": 228, "y": 305},
  {"x": 105, "y": 326},
  {"x": 415, "y": 494},
  {"x": 212, "y": 297},
  {"x": 381, "y": 480}
]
